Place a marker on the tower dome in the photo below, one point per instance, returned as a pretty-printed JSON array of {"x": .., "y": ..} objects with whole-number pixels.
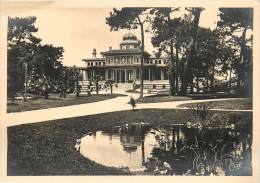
[
  {"x": 129, "y": 36},
  {"x": 130, "y": 41}
]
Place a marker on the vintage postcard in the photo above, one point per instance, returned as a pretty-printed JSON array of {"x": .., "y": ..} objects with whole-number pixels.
[{"x": 149, "y": 90}]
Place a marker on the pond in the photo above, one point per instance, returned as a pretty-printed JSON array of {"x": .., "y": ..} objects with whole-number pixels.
[{"x": 170, "y": 150}]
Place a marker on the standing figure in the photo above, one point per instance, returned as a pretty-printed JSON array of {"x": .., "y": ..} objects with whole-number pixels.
[{"x": 132, "y": 102}]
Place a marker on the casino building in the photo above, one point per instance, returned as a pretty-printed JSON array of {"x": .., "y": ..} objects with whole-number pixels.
[{"x": 123, "y": 65}]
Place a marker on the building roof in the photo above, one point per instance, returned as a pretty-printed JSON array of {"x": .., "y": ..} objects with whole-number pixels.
[
  {"x": 130, "y": 41},
  {"x": 93, "y": 59},
  {"x": 124, "y": 51}
]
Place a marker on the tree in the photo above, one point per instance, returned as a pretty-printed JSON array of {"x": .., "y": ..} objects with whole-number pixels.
[
  {"x": 188, "y": 73},
  {"x": 67, "y": 81},
  {"x": 171, "y": 36},
  {"x": 29, "y": 59},
  {"x": 20, "y": 43},
  {"x": 237, "y": 21},
  {"x": 206, "y": 59},
  {"x": 130, "y": 18},
  {"x": 165, "y": 34}
]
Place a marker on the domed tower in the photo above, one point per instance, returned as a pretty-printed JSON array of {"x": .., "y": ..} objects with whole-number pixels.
[{"x": 130, "y": 41}]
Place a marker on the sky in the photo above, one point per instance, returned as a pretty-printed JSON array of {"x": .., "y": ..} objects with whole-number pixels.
[{"x": 79, "y": 30}]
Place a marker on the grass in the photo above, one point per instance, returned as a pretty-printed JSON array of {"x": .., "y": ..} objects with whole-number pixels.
[
  {"x": 236, "y": 104},
  {"x": 168, "y": 98},
  {"x": 47, "y": 148},
  {"x": 55, "y": 101},
  {"x": 162, "y": 98}
]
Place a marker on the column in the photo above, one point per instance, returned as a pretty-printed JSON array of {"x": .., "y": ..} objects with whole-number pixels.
[
  {"x": 162, "y": 74},
  {"x": 134, "y": 74},
  {"x": 86, "y": 72},
  {"x": 126, "y": 78},
  {"x": 115, "y": 76},
  {"x": 93, "y": 73},
  {"x": 82, "y": 74},
  {"x": 140, "y": 73},
  {"x": 120, "y": 76},
  {"x": 106, "y": 74},
  {"x": 149, "y": 74}
]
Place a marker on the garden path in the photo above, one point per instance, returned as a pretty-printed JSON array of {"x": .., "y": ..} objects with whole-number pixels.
[{"x": 110, "y": 105}]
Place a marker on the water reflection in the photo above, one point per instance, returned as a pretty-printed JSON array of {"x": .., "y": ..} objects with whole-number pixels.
[{"x": 170, "y": 150}]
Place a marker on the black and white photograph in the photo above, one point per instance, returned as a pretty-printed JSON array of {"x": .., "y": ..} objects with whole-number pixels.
[{"x": 130, "y": 90}]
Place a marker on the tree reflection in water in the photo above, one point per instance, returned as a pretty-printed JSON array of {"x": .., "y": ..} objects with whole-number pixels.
[
  {"x": 201, "y": 151},
  {"x": 191, "y": 149}
]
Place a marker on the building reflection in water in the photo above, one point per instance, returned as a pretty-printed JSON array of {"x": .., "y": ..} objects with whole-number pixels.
[{"x": 131, "y": 137}]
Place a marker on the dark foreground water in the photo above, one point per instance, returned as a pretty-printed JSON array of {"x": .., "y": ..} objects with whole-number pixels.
[{"x": 171, "y": 150}]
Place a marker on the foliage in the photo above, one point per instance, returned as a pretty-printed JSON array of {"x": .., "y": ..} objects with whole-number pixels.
[
  {"x": 200, "y": 111},
  {"x": 67, "y": 81},
  {"x": 213, "y": 156},
  {"x": 42, "y": 60},
  {"x": 217, "y": 51},
  {"x": 126, "y": 18},
  {"x": 235, "y": 22},
  {"x": 94, "y": 81},
  {"x": 166, "y": 34},
  {"x": 109, "y": 84},
  {"x": 130, "y": 18}
]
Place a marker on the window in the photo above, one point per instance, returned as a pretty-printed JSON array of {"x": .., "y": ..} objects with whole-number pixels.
[
  {"x": 99, "y": 63},
  {"x": 91, "y": 64},
  {"x": 104, "y": 63},
  {"x": 127, "y": 47},
  {"x": 155, "y": 61},
  {"x": 88, "y": 64},
  {"x": 160, "y": 61}
]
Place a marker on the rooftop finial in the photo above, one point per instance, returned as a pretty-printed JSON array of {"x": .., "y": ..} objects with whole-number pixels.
[{"x": 94, "y": 53}]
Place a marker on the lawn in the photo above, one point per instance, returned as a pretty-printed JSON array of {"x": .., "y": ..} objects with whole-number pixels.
[
  {"x": 195, "y": 96},
  {"x": 47, "y": 148},
  {"x": 55, "y": 101},
  {"x": 236, "y": 104},
  {"x": 162, "y": 98}
]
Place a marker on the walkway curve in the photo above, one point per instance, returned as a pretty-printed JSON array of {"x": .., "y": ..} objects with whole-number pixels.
[{"x": 105, "y": 106}]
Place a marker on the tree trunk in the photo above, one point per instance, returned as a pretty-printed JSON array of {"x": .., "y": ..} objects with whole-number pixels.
[
  {"x": 177, "y": 67},
  {"x": 142, "y": 60},
  {"x": 172, "y": 71},
  {"x": 229, "y": 82},
  {"x": 188, "y": 74},
  {"x": 111, "y": 88},
  {"x": 97, "y": 88},
  {"x": 212, "y": 77},
  {"x": 197, "y": 84},
  {"x": 241, "y": 79}
]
